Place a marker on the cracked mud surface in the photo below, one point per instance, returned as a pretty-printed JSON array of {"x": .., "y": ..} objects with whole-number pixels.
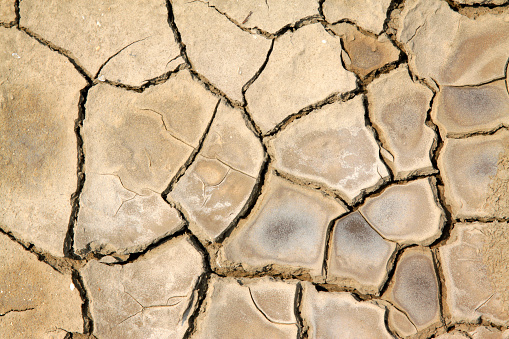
[{"x": 254, "y": 169}]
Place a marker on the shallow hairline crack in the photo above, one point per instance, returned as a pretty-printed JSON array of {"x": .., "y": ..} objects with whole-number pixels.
[
  {"x": 117, "y": 53},
  {"x": 263, "y": 313},
  {"x": 121, "y": 183},
  {"x": 166, "y": 128},
  {"x": 143, "y": 308},
  {"x": 227, "y": 165}
]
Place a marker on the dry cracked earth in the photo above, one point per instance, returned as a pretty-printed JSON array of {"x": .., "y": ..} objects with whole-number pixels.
[{"x": 254, "y": 169}]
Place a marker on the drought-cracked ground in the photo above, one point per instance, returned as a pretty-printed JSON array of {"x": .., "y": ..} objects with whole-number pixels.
[{"x": 254, "y": 169}]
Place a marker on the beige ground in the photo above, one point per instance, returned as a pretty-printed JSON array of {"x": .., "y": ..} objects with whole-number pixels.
[{"x": 254, "y": 169}]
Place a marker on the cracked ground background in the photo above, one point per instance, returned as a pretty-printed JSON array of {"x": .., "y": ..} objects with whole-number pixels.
[{"x": 254, "y": 169}]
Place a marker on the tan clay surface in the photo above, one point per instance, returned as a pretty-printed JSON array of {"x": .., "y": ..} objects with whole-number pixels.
[{"x": 254, "y": 169}]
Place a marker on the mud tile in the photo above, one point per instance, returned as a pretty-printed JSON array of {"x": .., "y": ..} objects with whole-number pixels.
[
  {"x": 213, "y": 194},
  {"x": 474, "y": 262},
  {"x": 114, "y": 219},
  {"x": 303, "y": 68},
  {"x": 359, "y": 256},
  {"x": 398, "y": 108},
  {"x": 475, "y": 172},
  {"x": 151, "y": 297},
  {"x": 232, "y": 311},
  {"x": 145, "y": 138},
  {"x": 218, "y": 184},
  {"x": 35, "y": 299},
  {"x": 452, "y": 49},
  {"x": 340, "y": 315},
  {"x": 364, "y": 53},
  {"x": 459, "y": 110},
  {"x": 39, "y": 97},
  {"x": 407, "y": 213},
  {"x": 268, "y": 16},
  {"x": 414, "y": 288},
  {"x": 134, "y": 143},
  {"x": 98, "y": 30},
  {"x": 227, "y": 63},
  {"x": 333, "y": 146},
  {"x": 287, "y": 226},
  {"x": 7, "y": 12},
  {"x": 368, "y": 14}
]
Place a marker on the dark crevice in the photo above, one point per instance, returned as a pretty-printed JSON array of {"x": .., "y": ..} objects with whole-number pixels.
[
  {"x": 18, "y": 13},
  {"x": 361, "y": 198},
  {"x": 478, "y": 133},
  {"x": 356, "y": 294},
  {"x": 80, "y": 172},
  {"x": 440, "y": 282},
  {"x": 434, "y": 155},
  {"x": 392, "y": 270},
  {"x": 395, "y": 4},
  {"x": 256, "y": 30},
  {"x": 323, "y": 188},
  {"x": 176, "y": 33},
  {"x": 471, "y": 326},
  {"x": 313, "y": 19},
  {"x": 270, "y": 270},
  {"x": 201, "y": 288},
  {"x": 214, "y": 90},
  {"x": 81, "y": 70},
  {"x": 458, "y": 7},
  {"x": 61, "y": 265},
  {"x": 251, "y": 201},
  {"x": 336, "y": 97},
  {"x": 88, "y": 322},
  {"x": 473, "y": 11},
  {"x": 191, "y": 157},
  {"x": 257, "y": 74},
  {"x": 149, "y": 83},
  {"x": 15, "y": 22},
  {"x": 387, "y": 68},
  {"x": 320, "y": 9},
  {"x": 135, "y": 255},
  {"x": 17, "y": 311},
  {"x": 386, "y": 322},
  {"x": 328, "y": 246},
  {"x": 302, "y": 332},
  {"x": 375, "y": 133},
  {"x": 390, "y": 23},
  {"x": 251, "y": 124},
  {"x": 447, "y": 220},
  {"x": 482, "y": 219}
]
